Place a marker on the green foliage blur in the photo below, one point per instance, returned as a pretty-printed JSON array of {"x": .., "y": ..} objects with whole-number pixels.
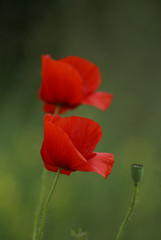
[{"x": 124, "y": 39}]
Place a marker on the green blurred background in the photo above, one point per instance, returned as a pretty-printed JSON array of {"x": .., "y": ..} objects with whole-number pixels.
[{"x": 124, "y": 39}]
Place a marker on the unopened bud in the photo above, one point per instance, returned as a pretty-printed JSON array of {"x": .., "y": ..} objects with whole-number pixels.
[{"x": 137, "y": 171}]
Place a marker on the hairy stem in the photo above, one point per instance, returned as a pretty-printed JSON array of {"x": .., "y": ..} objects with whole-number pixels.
[
  {"x": 38, "y": 210},
  {"x": 46, "y": 204},
  {"x": 129, "y": 213}
]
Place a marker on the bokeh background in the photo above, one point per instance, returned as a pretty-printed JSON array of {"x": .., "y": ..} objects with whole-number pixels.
[{"x": 124, "y": 39}]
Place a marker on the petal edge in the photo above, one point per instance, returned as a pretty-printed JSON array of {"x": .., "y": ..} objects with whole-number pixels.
[
  {"x": 102, "y": 163},
  {"x": 102, "y": 100}
]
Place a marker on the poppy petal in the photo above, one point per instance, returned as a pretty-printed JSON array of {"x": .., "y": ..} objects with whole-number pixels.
[
  {"x": 51, "y": 118},
  {"x": 102, "y": 163},
  {"x": 90, "y": 73},
  {"x": 101, "y": 100},
  {"x": 45, "y": 155},
  {"x": 61, "y": 83},
  {"x": 49, "y": 108},
  {"x": 63, "y": 109},
  {"x": 55, "y": 169},
  {"x": 57, "y": 149},
  {"x": 84, "y": 133}
]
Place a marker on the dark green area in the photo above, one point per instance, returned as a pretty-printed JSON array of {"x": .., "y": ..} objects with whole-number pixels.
[{"x": 124, "y": 39}]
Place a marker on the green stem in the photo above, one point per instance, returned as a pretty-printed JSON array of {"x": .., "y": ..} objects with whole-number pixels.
[
  {"x": 47, "y": 202},
  {"x": 57, "y": 109},
  {"x": 129, "y": 213},
  {"x": 37, "y": 214},
  {"x": 38, "y": 210}
]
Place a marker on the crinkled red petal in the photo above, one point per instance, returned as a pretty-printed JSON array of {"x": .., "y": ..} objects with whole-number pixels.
[
  {"x": 84, "y": 133},
  {"x": 102, "y": 163},
  {"x": 50, "y": 118},
  {"x": 55, "y": 169},
  {"x": 49, "y": 108},
  {"x": 101, "y": 100},
  {"x": 90, "y": 73},
  {"x": 57, "y": 149},
  {"x": 61, "y": 83}
]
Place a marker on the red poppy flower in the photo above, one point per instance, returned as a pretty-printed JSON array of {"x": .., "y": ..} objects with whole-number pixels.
[
  {"x": 69, "y": 82},
  {"x": 69, "y": 143}
]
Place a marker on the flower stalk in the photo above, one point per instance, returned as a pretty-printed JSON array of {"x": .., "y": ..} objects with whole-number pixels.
[
  {"x": 46, "y": 204},
  {"x": 38, "y": 210},
  {"x": 129, "y": 213},
  {"x": 137, "y": 171}
]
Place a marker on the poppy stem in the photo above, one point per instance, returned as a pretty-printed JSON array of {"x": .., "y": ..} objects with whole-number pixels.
[
  {"x": 129, "y": 213},
  {"x": 38, "y": 210},
  {"x": 57, "y": 110},
  {"x": 46, "y": 204},
  {"x": 37, "y": 214}
]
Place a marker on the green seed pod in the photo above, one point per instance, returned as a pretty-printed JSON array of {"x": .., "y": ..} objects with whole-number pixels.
[{"x": 137, "y": 171}]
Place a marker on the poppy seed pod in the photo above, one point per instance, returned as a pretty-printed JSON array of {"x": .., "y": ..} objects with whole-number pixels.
[{"x": 137, "y": 171}]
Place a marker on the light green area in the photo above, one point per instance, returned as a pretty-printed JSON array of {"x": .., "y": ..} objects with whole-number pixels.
[{"x": 123, "y": 38}]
